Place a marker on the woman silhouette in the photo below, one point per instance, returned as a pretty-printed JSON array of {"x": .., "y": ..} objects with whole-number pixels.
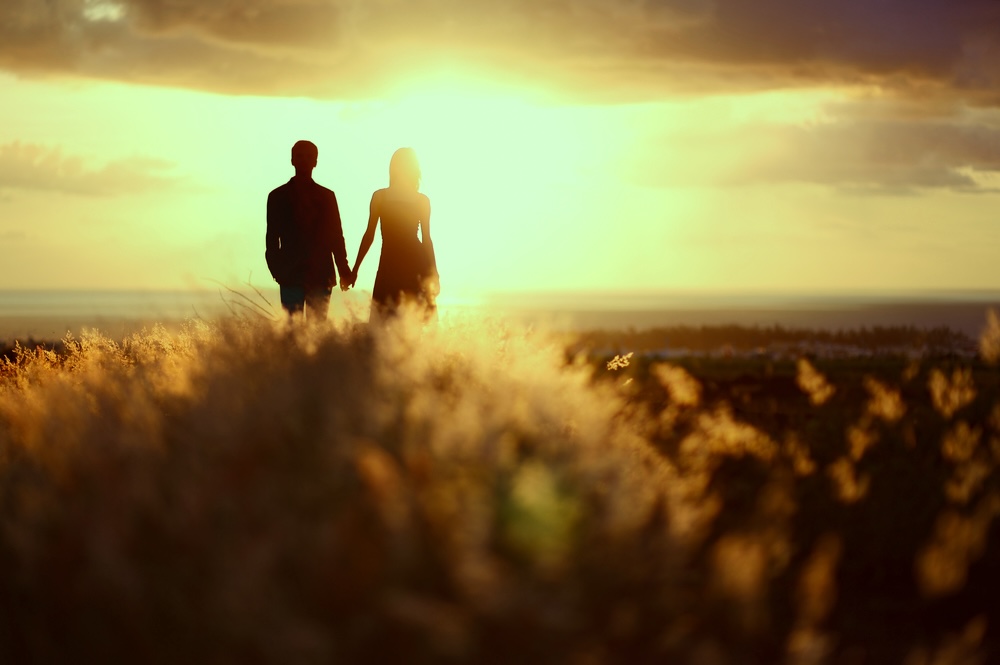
[{"x": 407, "y": 269}]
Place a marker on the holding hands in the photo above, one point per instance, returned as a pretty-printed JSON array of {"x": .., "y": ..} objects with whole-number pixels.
[{"x": 348, "y": 280}]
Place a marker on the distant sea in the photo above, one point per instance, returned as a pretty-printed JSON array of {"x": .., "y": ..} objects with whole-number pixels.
[{"x": 46, "y": 315}]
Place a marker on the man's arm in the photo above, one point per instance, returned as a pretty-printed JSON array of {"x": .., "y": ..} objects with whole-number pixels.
[
  {"x": 272, "y": 239},
  {"x": 338, "y": 247}
]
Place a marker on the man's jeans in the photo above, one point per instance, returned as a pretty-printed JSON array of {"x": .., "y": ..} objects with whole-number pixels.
[{"x": 315, "y": 302}]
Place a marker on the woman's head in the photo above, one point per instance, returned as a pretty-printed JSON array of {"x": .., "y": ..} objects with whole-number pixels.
[{"x": 404, "y": 169}]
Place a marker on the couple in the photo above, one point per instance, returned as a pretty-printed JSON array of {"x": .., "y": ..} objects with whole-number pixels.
[{"x": 305, "y": 237}]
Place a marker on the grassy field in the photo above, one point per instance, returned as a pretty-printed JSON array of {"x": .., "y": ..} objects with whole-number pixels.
[{"x": 247, "y": 493}]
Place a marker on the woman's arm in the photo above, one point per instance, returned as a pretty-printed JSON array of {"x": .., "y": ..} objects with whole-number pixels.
[
  {"x": 425, "y": 239},
  {"x": 369, "y": 237},
  {"x": 425, "y": 232}
]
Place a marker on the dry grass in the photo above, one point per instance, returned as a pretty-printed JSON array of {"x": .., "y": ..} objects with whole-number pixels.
[{"x": 255, "y": 492}]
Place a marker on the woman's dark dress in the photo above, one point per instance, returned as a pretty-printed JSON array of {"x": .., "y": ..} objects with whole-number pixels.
[{"x": 403, "y": 265}]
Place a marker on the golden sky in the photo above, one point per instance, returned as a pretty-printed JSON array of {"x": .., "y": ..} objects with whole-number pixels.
[{"x": 727, "y": 145}]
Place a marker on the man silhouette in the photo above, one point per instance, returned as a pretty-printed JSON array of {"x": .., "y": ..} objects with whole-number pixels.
[{"x": 303, "y": 230}]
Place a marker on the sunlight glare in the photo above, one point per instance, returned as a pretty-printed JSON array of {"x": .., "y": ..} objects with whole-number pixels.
[
  {"x": 102, "y": 10},
  {"x": 500, "y": 167}
]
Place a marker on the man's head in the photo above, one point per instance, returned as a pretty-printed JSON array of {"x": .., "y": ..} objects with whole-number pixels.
[{"x": 304, "y": 156}]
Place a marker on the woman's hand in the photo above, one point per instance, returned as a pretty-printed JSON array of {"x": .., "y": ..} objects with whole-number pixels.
[
  {"x": 347, "y": 281},
  {"x": 433, "y": 284}
]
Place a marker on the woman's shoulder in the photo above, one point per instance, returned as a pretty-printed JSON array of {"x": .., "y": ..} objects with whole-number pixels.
[
  {"x": 406, "y": 196},
  {"x": 423, "y": 201}
]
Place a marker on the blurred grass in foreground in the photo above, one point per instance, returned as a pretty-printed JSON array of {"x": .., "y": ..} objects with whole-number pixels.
[{"x": 254, "y": 493}]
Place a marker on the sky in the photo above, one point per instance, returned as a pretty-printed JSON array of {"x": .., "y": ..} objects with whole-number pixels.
[{"x": 800, "y": 146}]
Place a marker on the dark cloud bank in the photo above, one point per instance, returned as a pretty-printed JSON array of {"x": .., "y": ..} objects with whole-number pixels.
[
  {"x": 26, "y": 166},
  {"x": 332, "y": 48},
  {"x": 933, "y": 59}
]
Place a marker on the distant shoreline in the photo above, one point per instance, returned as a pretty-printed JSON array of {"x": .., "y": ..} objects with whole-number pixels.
[
  {"x": 968, "y": 319},
  {"x": 48, "y": 315}
]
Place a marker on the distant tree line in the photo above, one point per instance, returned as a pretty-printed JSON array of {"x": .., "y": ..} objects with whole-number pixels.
[{"x": 748, "y": 338}]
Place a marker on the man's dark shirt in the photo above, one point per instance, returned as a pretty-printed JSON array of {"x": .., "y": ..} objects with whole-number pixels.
[{"x": 303, "y": 230}]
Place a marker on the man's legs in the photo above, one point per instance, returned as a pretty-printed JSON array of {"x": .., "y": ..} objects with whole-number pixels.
[
  {"x": 317, "y": 304},
  {"x": 293, "y": 299},
  {"x": 314, "y": 302}
]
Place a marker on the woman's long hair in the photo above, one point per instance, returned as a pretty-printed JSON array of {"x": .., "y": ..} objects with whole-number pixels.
[{"x": 404, "y": 169}]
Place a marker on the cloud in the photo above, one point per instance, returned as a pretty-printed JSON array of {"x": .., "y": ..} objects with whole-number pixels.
[
  {"x": 884, "y": 156},
  {"x": 351, "y": 47},
  {"x": 28, "y": 166},
  {"x": 919, "y": 36},
  {"x": 865, "y": 147}
]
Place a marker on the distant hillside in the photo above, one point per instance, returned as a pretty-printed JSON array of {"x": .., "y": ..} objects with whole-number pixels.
[{"x": 777, "y": 339}]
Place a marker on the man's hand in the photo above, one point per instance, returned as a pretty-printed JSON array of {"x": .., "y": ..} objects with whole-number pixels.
[{"x": 347, "y": 281}]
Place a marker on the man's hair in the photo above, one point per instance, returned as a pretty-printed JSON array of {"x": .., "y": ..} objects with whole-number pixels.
[{"x": 304, "y": 153}]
